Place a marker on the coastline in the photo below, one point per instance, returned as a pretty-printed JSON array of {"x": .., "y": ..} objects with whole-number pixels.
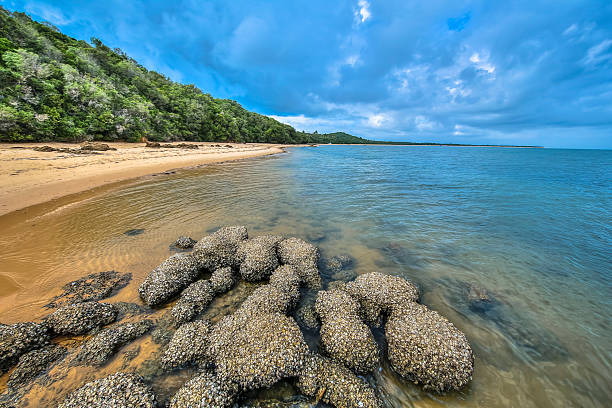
[{"x": 29, "y": 177}]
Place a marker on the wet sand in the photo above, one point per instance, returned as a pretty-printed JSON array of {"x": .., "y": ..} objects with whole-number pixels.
[{"x": 29, "y": 177}]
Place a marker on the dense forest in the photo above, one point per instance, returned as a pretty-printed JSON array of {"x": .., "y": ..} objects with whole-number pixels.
[{"x": 55, "y": 88}]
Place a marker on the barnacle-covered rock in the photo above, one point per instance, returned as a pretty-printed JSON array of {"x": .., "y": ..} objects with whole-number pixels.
[
  {"x": 304, "y": 257},
  {"x": 218, "y": 250},
  {"x": 193, "y": 301},
  {"x": 103, "y": 345},
  {"x": 256, "y": 351},
  {"x": 81, "y": 317},
  {"x": 96, "y": 286},
  {"x": 34, "y": 363},
  {"x": 306, "y": 316},
  {"x": 257, "y": 257},
  {"x": 335, "y": 384},
  {"x": 426, "y": 348},
  {"x": 168, "y": 279},
  {"x": 18, "y": 339},
  {"x": 184, "y": 242},
  {"x": 286, "y": 278},
  {"x": 269, "y": 299},
  {"x": 188, "y": 345},
  {"x": 125, "y": 390},
  {"x": 222, "y": 280},
  {"x": 382, "y": 291},
  {"x": 343, "y": 335},
  {"x": 205, "y": 391}
]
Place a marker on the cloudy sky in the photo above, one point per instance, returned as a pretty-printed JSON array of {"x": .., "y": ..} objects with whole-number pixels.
[{"x": 519, "y": 72}]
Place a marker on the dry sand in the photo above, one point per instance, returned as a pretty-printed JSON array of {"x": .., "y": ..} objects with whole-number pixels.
[{"x": 29, "y": 177}]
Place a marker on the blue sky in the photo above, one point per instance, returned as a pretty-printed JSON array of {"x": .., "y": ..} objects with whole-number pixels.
[{"x": 520, "y": 72}]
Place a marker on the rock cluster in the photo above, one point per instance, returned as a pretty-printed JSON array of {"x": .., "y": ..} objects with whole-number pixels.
[
  {"x": 18, "y": 339},
  {"x": 335, "y": 384},
  {"x": 205, "y": 391},
  {"x": 125, "y": 390},
  {"x": 80, "y": 318},
  {"x": 219, "y": 249},
  {"x": 103, "y": 345},
  {"x": 188, "y": 345},
  {"x": 168, "y": 279},
  {"x": 96, "y": 286},
  {"x": 257, "y": 257},
  {"x": 304, "y": 257},
  {"x": 34, "y": 363},
  {"x": 343, "y": 335}
]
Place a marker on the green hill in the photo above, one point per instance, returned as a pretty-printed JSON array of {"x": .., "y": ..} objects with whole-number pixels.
[{"x": 55, "y": 88}]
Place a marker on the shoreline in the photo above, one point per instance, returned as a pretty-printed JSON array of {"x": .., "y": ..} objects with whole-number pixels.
[{"x": 29, "y": 177}]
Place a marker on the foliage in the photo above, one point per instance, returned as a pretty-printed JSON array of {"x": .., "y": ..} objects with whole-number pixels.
[{"x": 55, "y": 88}]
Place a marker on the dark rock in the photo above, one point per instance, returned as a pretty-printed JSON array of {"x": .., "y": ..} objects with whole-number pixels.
[
  {"x": 427, "y": 349},
  {"x": 133, "y": 232},
  {"x": 104, "y": 345},
  {"x": 205, "y": 390},
  {"x": 168, "y": 279},
  {"x": 188, "y": 345},
  {"x": 81, "y": 317},
  {"x": 335, "y": 384},
  {"x": 33, "y": 364},
  {"x": 337, "y": 263},
  {"x": 96, "y": 286},
  {"x": 18, "y": 339},
  {"x": 219, "y": 249},
  {"x": 96, "y": 146},
  {"x": 118, "y": 390},
  {"x": 163, "y": 331},
  {"x": 183, "y": 242},
  {"x": 306, "y": 316}
]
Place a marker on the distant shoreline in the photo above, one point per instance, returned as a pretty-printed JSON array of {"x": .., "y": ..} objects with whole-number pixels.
[{"x": 430, "y": 145}]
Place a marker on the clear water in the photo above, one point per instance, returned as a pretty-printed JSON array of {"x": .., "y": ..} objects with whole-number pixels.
[{"x": 531, "y": 226}]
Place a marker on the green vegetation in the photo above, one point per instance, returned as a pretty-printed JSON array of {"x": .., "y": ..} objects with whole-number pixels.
[{"x": 55, "y": 88}]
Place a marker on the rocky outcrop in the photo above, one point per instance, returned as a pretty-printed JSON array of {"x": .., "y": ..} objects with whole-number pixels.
[
  {"x": 257, "y": 257},
  {"x": 168, "y": 279},
  {"x": 304, "y": 257},
  {"x": 18, "y": 339},
  {"x": 33, "y": 364},
  {"x": 205, "y": 390},
  {"x": 187, "y": 346},
  {"x": 219, "y": 249},
  {"x": 80, "y": 318},
  {"x": 96, "y": 286}
]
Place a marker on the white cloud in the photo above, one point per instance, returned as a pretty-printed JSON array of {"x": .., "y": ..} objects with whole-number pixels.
[
  {"x": 482, "y": 62},
  {"x": 376, "y": 120},
  {"x": 422, "y": 123},
  {"x": 48, "y": 13},
  {"x": 363, "y": 12},
  {"x": 597, "y": 53}
]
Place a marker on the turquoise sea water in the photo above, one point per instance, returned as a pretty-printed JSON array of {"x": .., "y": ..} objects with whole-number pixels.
[{"x": 531, "y": 226}]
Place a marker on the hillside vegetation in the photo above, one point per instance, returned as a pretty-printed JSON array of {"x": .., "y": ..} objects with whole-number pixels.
[{"x": 55, "y": 88}]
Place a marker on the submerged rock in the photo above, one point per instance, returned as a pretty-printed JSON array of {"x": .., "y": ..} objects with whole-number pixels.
[
  {"x": 304, "y": 257},
  {"x": 118, "y": 390},
  {"x": 257, "y": 351},
  {"x": 219, "y": 249},
  {"x": 96, "y": 286},
  {"x": 18, "y": 339},
  {"x": 168, "y": 279},
  {"x": 343, "y": 335},
  {"x": 335, "y": 384},
  {"x": 222, "y": 280},
  {"x": 33, "y": 364},
  {"x": 205, "y": 391},
  {"x": 306, "y": 316},
  {"x": 103, "y": 345},
  {"x": 133, "y": 232},
  {"x": 426, "y": 348},
  {"x": 194, "y": 300},
  {"x": 188, "y": 345},
  {"x": 81, "y": 317},
  {"x": 183, "y": 242},
  {"x": 257, "y": 257}
]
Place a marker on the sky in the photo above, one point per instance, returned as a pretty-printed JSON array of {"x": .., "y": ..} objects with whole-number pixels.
[{"x": 496, "y": 72}]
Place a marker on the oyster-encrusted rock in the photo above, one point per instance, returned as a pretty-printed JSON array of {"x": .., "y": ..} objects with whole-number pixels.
[
  {"x": 120, "y": 390},
  {"x": 188, "y": 345},
  {"x": 205, "y": 391},
  {"x": 168, "y": 279},
  {"x": 194, "y": 300},
  {"x": 426, "y": 348},
  {"x": 184, "y": 242},
  {"x": 218, "y": 250},
  {"x": 335, "y": 384},
  {"x": 18, "y": 339},
  {"x": 222, "y": 280},
  {"x": 269, "y": 299},
  {"x": 304, "y": 257},
  {"x": 257, "y": 257},
  {"x": 96, "y": 286},
  {"x": 286, "y": 278},
  {"x": 343, "y": 335},
  {"x": 81, "y": 317},
  {"x": 256, "y": 351},
  {"x": 384, "y": 291},
  {"x": 34, "y": 363},
  {"x": 306, "y": 316},
  {"x": 103, "y": 345}
]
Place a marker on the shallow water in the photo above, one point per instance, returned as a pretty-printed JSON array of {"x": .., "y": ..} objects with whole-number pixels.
[{"x": 531, "y": 226}]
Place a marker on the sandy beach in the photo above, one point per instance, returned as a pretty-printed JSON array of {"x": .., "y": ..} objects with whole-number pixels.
[{"x": 29, "y": 177}]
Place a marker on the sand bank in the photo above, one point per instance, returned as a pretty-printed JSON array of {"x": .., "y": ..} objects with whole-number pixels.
[{"x": 29, "y": 177}]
